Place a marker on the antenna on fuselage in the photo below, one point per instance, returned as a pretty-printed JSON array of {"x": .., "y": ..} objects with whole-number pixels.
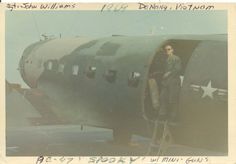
[{"x": 36, "y": 25}]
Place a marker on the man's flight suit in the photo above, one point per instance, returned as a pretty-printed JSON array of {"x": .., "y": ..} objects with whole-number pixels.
[{"x": 170, "y": 87}]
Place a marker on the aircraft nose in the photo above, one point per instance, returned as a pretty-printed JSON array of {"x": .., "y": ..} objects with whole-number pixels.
[
  {"x": 22, "y": 69},
  {"x": 22, "y": 66}
]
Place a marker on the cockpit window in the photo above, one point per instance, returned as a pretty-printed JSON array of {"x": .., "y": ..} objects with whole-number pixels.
[
  {"x": 108, "y": 49},
  {"x": 51, "y": 65},
  {"x": 40, "y": 61}
]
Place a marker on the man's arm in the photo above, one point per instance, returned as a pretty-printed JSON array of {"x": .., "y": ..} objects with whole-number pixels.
[{"x": 158, "y": 66}]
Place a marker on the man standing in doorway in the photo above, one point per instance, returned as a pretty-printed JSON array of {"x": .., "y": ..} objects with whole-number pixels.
[{"x": 169, "y": 96}]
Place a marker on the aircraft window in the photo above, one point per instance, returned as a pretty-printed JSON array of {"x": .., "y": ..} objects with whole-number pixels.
[
  {"x": 61, "y": 68},
  {"x": 134, "y": 79},
  {"x": 75, "y": 70},
  {"x": 110, "y": 75},
  {"x": 91, "y": 72},
  {"x": 49, "y": 67}
]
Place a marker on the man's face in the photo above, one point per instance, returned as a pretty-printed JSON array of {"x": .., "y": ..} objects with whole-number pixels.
[{"x": 169, "y": 50}]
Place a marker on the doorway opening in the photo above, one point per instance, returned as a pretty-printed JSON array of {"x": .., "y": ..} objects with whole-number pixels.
[{"x": 184, "y": 50}]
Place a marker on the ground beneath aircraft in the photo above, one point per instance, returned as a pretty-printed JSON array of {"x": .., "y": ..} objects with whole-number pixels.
[
  {"x": 70, "y": 140},
  {"x": 26, "y": 139}
]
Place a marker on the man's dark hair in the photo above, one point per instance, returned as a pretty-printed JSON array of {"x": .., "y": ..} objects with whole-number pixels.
[{"x": 168, "y": 44}]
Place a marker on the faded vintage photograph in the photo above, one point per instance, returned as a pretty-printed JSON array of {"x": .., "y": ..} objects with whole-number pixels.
[{"x": 130, "y": 83}]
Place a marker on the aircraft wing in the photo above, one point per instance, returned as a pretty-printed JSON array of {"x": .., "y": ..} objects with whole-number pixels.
[{"x": 31, "y": 106}]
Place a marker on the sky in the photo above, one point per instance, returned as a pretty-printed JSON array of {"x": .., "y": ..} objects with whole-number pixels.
[{"x": 25, "y": 27}]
